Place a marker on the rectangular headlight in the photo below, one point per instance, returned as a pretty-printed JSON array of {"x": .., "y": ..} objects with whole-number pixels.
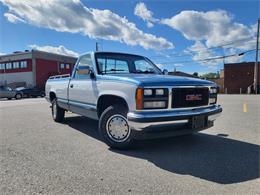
[
  {"x": 212, "y": 100},
  {"x": 155, "y": 104},
  {"x": 213, "y": 90},
  {"x": 148, "y": 92},
  {"x": 159, "y": 92}
]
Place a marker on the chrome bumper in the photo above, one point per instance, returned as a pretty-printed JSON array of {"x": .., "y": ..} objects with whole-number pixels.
[{"x": 141, "y": 120}]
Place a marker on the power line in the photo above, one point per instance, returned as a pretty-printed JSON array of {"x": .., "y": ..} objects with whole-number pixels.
[
  {"x": 189, "y": 53},
  {"x": 209, "y": 59}
]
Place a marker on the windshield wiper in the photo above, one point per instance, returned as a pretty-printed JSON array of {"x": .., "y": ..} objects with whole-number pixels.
[
  {"x": 112, "y": 70},
  {"x": 144, "y": 72}
]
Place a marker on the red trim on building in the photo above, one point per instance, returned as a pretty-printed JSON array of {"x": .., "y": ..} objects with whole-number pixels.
[{"x": 47, "y": 68}]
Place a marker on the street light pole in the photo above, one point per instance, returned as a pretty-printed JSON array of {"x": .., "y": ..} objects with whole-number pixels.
[{"x": 256, "y": 70}]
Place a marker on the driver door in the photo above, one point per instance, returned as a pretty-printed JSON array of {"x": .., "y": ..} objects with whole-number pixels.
[{"x": 82, "y": 89}]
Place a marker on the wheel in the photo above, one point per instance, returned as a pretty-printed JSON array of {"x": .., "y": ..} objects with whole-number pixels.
[
  {"x": 18, "y": 96},
  {"x": 57, "y": 112},
  {"x": 42, "y": 94},
  {"x": 114, "y": 128},
  {"x": 9, "y": 98}
]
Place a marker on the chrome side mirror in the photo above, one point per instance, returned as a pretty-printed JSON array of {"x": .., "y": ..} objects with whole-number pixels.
[{"x": 165, "y": 72}]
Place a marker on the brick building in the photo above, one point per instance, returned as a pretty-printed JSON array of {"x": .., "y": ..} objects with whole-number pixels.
[
  {"x": 32, "y": 68},
  {"x": 238, "y": 77}
]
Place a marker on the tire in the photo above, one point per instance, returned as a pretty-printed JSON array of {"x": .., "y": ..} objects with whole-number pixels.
[
  {"x": 42, "y": 95},
  {"x": 115, "y": 115},
  {"x": 57, "y": 112},
  {"x": 18, "y": 96},
  {"x": 9, "y": 98}
]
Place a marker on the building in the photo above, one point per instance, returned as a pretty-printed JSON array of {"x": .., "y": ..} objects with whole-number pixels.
[
  {"x": 238, "y": 77},
  {"x": 33, "y": 68}
]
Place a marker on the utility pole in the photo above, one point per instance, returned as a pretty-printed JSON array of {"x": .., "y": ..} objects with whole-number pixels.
[
  {"x": 256, "y": 70},
  {"x": 96, "y": 46}
]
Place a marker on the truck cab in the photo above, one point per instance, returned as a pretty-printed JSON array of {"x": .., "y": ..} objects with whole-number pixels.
[{"x": 132, "y": 98}]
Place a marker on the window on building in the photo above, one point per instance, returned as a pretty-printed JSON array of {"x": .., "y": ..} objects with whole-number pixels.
[
  {"x": 23, "y": 64},
  {"x": 8, "y": 65},
  {"x": 2, "y": 66},
  {"x": 62, "y": 66},
  {"x": 16, "y": 64},
  {"x": 67, "y": 66}
]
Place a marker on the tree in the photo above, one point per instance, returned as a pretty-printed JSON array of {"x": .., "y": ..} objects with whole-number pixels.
[
  {"x": 196, "y": 74},
  {"x": 210, "y": 75}
]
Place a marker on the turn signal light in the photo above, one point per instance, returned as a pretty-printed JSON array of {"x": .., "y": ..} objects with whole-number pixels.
[{"x": 139, "y": 98}]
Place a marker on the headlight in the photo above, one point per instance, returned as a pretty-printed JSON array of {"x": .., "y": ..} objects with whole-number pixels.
[
  {"x": 212, "y": 100},
  {"x": 213, "y": 95},
  {"x": 159, "y": 92},
  {"x": 151, "y": 98},
  {"x": 148, "y": 92},
  {"x": 213, "y": 90},
  {"x": 155, "y": 104}
]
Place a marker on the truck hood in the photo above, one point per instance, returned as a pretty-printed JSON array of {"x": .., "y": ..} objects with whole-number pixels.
[{"x": 157, "y": 80}]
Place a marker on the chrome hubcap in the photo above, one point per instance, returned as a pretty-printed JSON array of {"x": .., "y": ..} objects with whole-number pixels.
[{"x": 117, "y": 128}]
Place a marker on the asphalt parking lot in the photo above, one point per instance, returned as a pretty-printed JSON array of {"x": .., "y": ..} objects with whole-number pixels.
[{"x": 40, "y": 156}]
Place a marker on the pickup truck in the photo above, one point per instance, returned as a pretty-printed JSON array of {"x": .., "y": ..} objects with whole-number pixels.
[{"x": 132, "y": 98}]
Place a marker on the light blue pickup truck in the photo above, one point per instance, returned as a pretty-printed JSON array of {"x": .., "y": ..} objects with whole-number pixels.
[{"x": 132, "y": 98}]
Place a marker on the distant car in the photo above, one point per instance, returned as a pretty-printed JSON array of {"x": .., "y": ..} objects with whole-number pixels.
[
  {"x": 32, "y": 92},
  {"x": 9, "y": 93}
]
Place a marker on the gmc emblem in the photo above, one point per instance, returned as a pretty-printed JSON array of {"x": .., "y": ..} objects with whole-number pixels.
[{"x": 192, "y": 97}]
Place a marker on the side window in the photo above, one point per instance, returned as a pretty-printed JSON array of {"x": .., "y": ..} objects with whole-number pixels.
[{"x": 83, "y": 66}]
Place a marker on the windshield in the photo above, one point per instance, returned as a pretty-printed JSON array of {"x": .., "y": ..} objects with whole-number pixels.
[{"x": 125, "y": 64}]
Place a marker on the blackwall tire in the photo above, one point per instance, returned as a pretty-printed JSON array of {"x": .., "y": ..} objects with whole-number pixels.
[
  {"x": 114, "y": 128},
  {"x": 42, "y": 94},
  {"x": 18, "y": 96},
  {"x": 57, "y": 112}
]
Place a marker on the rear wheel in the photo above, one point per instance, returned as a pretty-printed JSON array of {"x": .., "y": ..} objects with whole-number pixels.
[
  {"x": 114, "y": 128},
  {"x": 18, "y": 96},
  {"x": 57, "y": 112},
  {"x": 42, "y": 94}
]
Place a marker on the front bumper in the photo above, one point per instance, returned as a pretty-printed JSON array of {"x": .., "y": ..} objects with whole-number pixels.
[{"x": 181, "y": 119}]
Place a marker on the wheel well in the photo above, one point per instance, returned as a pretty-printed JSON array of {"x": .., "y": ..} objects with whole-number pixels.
[
  {"x": 105, "y": 101},
  {"x": 52, "y": 96}
]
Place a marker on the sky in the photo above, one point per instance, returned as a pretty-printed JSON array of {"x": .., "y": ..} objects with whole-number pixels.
[{"x": 189, "y": 36}]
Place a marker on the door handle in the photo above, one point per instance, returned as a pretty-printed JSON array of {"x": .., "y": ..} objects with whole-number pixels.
[{"x": 71, "y": 86}]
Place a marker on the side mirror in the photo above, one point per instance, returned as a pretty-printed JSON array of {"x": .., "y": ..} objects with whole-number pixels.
[
  {"x": 85, "y": 70},
  {"x": 165, "y": 71}
]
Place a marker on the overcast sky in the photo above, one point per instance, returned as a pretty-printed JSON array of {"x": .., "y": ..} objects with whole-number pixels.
[{"x": 174, "y": 34}]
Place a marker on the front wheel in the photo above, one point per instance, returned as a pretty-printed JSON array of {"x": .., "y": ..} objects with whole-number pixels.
[
  {"x": 114, "y": 128},
  {"x": 57, "y": 112},
  {"x": 18, "y": 96}
]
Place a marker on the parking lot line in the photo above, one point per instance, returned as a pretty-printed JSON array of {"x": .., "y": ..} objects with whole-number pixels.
[{"x": 245, "y": 107}]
